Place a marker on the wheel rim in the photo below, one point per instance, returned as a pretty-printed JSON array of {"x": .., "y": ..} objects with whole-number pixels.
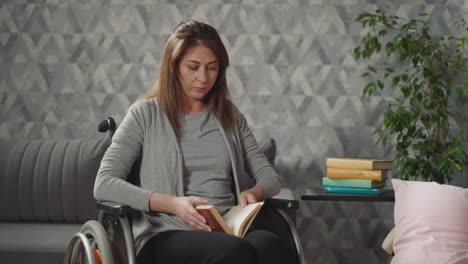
[
  {"x": 81, "y": 256},
  {"x": 97, "y": 237}
]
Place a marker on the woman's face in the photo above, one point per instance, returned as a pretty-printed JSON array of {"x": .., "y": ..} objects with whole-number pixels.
[{"x": 198, "y": 70}]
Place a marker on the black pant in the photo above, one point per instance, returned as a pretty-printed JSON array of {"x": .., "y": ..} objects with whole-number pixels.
[{"x": 201, "y": 247}]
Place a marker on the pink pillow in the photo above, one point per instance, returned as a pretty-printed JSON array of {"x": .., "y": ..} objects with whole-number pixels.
[{"x": 431, "y": 223}]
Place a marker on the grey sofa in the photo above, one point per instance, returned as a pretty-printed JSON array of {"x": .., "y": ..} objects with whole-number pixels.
[{"x": 45, "y": 196}]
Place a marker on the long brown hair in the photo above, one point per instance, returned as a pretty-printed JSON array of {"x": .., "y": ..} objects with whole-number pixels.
[{"x": 168, "y": 89}]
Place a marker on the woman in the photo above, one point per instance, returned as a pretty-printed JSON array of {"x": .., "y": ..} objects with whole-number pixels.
[{"x": 195, "y": 148}]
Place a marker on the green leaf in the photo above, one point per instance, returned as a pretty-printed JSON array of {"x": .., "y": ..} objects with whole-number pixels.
[
  {"x": 380, "y": 84},
  {"x": 464, "y": 76},
  {"x": 362, "y": 16},
  {"x": 389, "y": 48},
  {"x": 461, "y": 43},
  {"x": 395, "y": 80},
  {"x": 405, "y": 27},
  {"x": 427, "y": 73},
  {"x": 357, "y": 52},
  {"x": 382, "y": 32},
  {"x": 419, "y": 97},
  {"x": 403, "y": 55},
  {"x": 372, "y": 69},
  {"x": 369, "y": 89},
  {"x": 461, "y": 95}
]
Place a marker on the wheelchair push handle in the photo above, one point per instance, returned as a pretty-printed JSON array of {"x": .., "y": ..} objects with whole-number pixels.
[{"x": 107, "y": 124}]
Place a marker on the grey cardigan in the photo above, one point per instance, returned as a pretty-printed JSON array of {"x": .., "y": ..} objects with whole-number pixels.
[{"x": 146, "y": 131}]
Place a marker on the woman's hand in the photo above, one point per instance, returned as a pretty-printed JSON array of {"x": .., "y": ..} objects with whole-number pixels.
[
  {"x": 182, "y": 207},
  {"x": 251, "y": 195}
]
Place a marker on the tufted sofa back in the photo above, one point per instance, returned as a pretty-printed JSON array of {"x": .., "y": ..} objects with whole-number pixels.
[{"x": 49, "y": 180}]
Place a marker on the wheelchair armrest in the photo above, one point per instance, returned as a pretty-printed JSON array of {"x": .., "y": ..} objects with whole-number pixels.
[
  {"x": 284, "y": 200},
  {"x": 279, "y": 217},
  {"x": 114, "y": 208},
  {"x": 283, "y": 204}
]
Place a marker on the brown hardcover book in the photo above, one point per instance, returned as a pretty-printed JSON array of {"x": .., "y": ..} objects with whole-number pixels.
[
  {"x": 341, "y": 173},
  {"x": 367, "y": 164},
  {"x": 235, "y": 222}
]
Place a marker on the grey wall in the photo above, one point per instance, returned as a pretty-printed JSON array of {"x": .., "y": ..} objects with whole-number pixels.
[{"x": 66, "y": 65}]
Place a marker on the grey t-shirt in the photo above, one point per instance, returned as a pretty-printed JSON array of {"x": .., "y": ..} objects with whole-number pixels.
[{"x": 207, "y": 165}]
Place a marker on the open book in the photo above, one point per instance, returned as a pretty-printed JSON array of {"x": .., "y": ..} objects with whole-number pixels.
[{"x": 235, "y": 222}]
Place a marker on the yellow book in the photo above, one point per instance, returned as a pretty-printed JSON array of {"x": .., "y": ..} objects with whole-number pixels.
[
  {"x": 367, "y": 164},
  {"x": 235, "y": 222},
  {"x": 342, "y": 173}
]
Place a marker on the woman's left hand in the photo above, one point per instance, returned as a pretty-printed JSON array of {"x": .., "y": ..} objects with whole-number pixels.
[{"x": 251, "y": 195}]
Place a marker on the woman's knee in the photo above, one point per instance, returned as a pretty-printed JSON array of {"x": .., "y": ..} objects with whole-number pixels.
[
  {"x": 235, "y": 250},
  {"x": 270, "y": 248},
  {"x": 267, "y": 239}
]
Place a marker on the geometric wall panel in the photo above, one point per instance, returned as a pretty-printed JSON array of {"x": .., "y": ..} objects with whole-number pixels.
[{"x": 65, "y": 66}]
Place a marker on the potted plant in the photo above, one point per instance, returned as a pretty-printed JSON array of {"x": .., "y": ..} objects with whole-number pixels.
[{"x": 423, "y": 120}]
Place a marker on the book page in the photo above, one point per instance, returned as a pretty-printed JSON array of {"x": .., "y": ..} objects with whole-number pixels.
[{"x": 235, "y": 218}]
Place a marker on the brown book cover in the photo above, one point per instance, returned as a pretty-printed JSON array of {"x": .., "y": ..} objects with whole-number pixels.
[
  {"x": 342, "y": 173},
  {"x": 367, "y": 164},
  {"x": 235, "y": 222}
]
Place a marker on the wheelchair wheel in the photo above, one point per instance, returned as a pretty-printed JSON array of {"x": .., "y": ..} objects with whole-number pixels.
[{"x": 90, "y": 246}]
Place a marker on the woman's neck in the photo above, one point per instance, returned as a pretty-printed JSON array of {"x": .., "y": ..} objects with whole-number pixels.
[{"x": 193, "y": 107}]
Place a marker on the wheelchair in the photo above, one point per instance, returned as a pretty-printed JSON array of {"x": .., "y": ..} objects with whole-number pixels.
[{"x": 110, "y": 239}]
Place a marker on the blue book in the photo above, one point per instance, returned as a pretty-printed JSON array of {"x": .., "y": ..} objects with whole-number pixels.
[
  {"x": 355, "y": 183},
  {"x": 352, "y": 190}
]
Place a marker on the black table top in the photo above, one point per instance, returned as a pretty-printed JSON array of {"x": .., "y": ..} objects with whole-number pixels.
[{"x": 318, "y": 194}]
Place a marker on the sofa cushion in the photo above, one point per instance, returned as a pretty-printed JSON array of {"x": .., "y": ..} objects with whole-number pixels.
[
  {"x": 49, "y": 180},
  {"x": 35, "y": 242},
  {"x": 36, "y": 237},
  {"x": 431, "y": 223}
]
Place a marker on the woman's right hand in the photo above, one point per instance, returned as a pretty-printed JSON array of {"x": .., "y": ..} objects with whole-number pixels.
[{"x": 182, "y": 207}]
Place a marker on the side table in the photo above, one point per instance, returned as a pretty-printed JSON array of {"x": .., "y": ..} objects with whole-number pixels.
[{"x": 319, "y": 195}]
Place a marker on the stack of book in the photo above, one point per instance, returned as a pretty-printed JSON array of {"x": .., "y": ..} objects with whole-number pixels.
[{"x": 356, "y": 176}]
